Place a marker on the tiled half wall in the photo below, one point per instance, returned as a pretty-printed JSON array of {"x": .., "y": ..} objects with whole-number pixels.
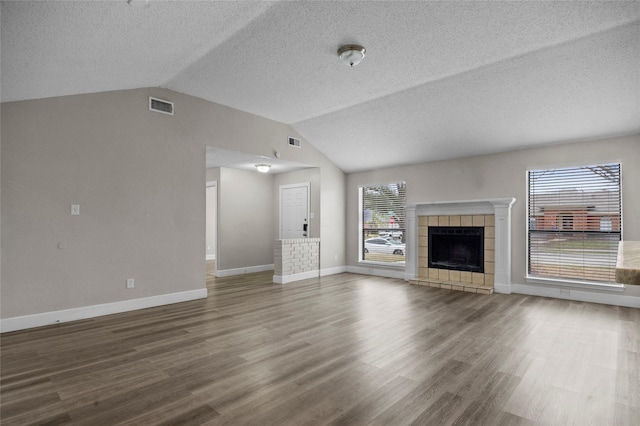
[{"x": 296, "y": 259}]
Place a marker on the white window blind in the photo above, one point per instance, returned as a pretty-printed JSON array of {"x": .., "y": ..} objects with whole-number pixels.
[
  {"x": 383, "y": 222},
  {"x": 575, "y": 218}
]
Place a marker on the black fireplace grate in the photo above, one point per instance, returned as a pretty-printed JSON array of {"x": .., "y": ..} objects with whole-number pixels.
[{"x": 458, "y": 248}]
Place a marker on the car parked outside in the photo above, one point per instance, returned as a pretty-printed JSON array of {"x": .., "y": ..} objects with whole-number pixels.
[
  {"x": 391, "y": 234},
  {"x": 382, "y": 245}
]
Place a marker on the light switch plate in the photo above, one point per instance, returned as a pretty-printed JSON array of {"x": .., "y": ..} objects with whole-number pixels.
[{"x": 75, "y": 209}]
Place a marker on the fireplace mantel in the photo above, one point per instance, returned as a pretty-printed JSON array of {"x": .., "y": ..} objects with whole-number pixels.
[{"x": 500, "y": 207}]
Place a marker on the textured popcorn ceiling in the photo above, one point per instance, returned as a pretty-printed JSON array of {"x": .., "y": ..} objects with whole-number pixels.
[{"x": 440, "y": 79}]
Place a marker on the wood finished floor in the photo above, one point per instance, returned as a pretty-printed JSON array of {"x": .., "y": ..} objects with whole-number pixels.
[{"x": 344, "y": 349}]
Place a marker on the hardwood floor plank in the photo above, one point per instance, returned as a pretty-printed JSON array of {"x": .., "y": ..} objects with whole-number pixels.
[
  {"x": 28, "y": 403},
  {"x": 342, "y": 349},
  {"x": 196, "y": 416},
  {"x": 441, "y": 410},
  {"x": 376, "y": 402},
  {"x": 61, "y": 419},
  {"x": 488, "y": 403}
]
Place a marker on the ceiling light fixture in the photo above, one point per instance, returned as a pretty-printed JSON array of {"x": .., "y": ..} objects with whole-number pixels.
[
  {"x": 351, "y": 54},
  {"x": 263, "y": 168}
]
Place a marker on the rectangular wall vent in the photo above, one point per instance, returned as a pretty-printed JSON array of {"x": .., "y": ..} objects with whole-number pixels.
[
  {"x": 294, "y": 142},
  {"x": 160, "y": 105}
]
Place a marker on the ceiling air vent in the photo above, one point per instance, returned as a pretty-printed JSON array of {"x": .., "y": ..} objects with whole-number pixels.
[
  {"x": 160, "y": 105},
  {"x": 294, "y": 142}
]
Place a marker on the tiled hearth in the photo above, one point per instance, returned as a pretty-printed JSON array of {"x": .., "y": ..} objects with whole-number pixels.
[
  {"x": 493, "y": 214},
  {"x": 472, "y": 282}
]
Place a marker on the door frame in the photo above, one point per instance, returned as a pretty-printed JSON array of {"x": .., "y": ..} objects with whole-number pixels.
[
  {"x": 213, "y": 184},
  {"x": 288, "y": 186}
]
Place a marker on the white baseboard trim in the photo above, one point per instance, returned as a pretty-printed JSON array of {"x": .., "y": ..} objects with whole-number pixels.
[
  {"x": 66, "y": 315},
  {"x": 578, "y": 295},
  {"x": 241, "y": 271},
  {"x": 388, "y": 273},
  {"x": 502, "y": 288},
  {"x": 285, "y": 279},
  {"x": 332, "y": 271}
]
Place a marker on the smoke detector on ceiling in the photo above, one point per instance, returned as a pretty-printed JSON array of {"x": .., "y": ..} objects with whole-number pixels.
[{"x": 351, "y": 54}]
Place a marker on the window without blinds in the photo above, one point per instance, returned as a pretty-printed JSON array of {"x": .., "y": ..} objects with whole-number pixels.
[
  {"x": 383, "y": 221},
  {"x": 575, "y": 218}
]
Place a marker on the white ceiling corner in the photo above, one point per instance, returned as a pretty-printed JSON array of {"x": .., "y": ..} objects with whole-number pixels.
[{"x": 440, "y": 79}]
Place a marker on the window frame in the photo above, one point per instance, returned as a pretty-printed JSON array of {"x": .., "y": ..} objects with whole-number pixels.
[
  {"x": 566, "y": 281},
  {"x": 361, "y": 260}
]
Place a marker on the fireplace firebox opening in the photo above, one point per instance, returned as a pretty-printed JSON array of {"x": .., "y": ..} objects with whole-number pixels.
[{"x": 456, "y": 248}]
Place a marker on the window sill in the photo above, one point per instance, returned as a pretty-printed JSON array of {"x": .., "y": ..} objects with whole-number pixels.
[
  {"x": 392, "y": 265},
  {"x": 576, "y": 284}
]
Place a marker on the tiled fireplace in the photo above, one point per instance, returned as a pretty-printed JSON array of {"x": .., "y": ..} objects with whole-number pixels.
[
  {"x": 490, "y": 218},
  {"x": 453, "y": 278}
]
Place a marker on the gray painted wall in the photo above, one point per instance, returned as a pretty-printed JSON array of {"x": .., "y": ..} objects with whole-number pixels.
[
  {"x": 504, "y": 175},
  {"x": 139, "y": 178},
  {"x": 245, "y": 228}
]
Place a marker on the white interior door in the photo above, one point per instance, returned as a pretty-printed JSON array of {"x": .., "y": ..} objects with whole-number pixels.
[{"x": 294, "y": 211}]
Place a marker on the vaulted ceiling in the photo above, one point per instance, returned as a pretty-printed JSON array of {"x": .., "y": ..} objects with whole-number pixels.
[{"x": 440, "y": 79}]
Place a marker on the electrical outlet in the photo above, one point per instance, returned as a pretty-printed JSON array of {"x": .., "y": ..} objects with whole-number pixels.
[{"x": 129, "y": 282}]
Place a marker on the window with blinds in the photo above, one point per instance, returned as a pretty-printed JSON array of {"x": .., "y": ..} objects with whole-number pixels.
[
  {"x": 575, "y": 222},
  {"x": 383, "y": 222}
]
